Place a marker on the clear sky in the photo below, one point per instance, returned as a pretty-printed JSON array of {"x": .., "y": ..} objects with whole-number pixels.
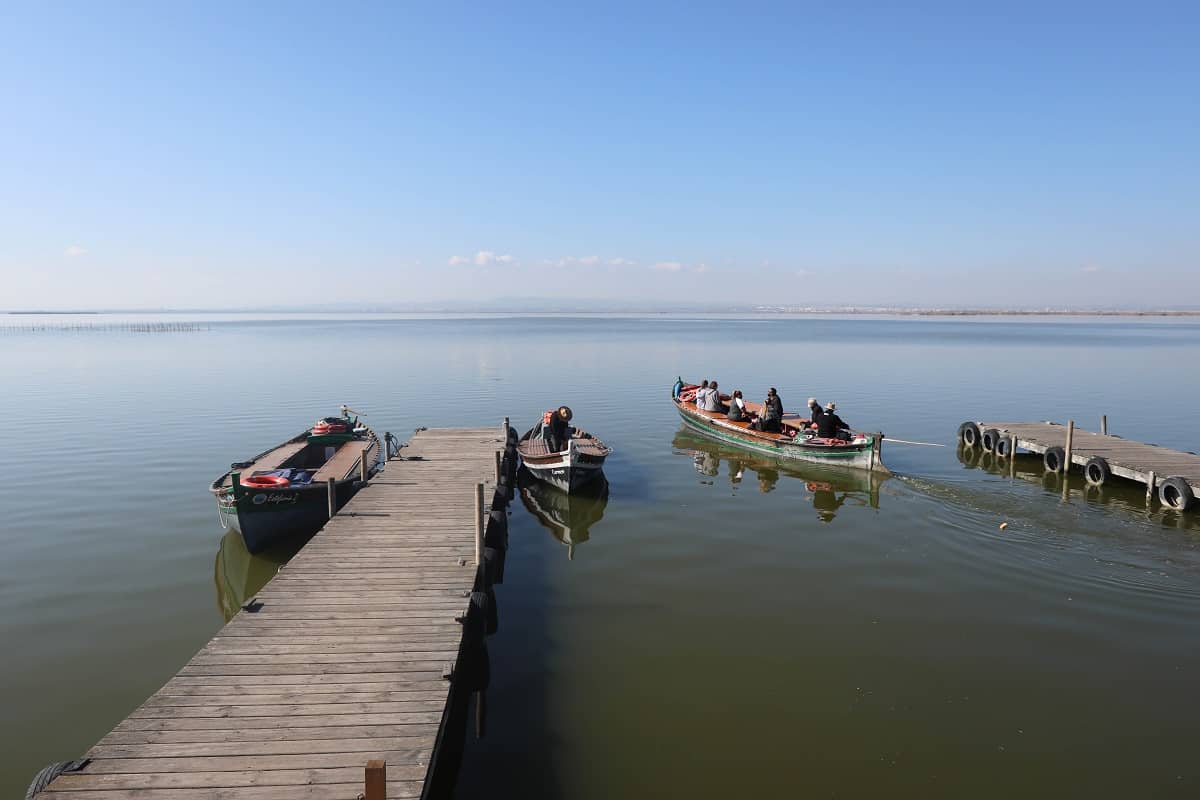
[{"x": 207, "y": 154}]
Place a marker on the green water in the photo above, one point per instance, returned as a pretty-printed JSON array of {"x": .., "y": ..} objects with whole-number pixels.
[{"x": 719, "y": 624}]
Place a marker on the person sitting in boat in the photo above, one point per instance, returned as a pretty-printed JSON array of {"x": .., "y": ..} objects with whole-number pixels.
[
  {"x": 560, "y": 431},
  {"x": 830, "y": 425},
  {"x": 702, "y": 394},
  {"x": 817, "y": 411},
  {"x": 737, "y": 407},
  {"x": 771, "y": 418},
  {"x": 713, "y": 403}
]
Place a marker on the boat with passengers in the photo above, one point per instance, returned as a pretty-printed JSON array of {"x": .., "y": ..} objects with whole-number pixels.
[{"x": 795, "y": 439}]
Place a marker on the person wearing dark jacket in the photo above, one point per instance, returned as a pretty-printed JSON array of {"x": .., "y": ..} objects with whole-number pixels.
[
  {"x": 817, "y": 413},
  {"x": 830, "y": 425},
  {"x": 771, "y": 418}
]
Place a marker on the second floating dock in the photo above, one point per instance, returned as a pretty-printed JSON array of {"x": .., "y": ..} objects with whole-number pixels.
[{"x": 1173, "y": 474}]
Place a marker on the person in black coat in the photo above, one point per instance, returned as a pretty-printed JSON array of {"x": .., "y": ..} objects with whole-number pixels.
[
  {"x": 816, "y": 409},
  {"x": 830, "y": 425}
]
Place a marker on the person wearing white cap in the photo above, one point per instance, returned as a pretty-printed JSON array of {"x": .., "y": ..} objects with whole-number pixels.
[
  {"x": 817, "y": 413},
  {"x": 830, "y": 425}
]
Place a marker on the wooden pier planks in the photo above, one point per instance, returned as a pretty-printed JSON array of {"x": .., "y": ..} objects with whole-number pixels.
[
  {"x": 1126, "y": 458},
  {"x": 342, "y": 663}
]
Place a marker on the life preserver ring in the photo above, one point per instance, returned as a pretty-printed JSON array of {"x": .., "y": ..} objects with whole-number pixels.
[
  {"x": 266, "y": 482},
  {"x": 688, "y": 395},
  {"x": 547, "y": 416},
  {"x": 322, "y": 427}
]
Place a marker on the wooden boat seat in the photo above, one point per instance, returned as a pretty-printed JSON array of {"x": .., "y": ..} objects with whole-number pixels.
[
  {"x": 344, "y": 461},
  {"x": 270, "y": 461},
  {"x": 536, "y": 446}
]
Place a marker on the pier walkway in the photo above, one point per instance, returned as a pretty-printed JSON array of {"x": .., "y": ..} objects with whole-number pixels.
[
  {"x": 1062, "y": 445},
  {"x": 342, "y": 658}
]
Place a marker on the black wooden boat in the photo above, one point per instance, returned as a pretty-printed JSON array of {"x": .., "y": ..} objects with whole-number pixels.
[{"x": 284, "y": 492}]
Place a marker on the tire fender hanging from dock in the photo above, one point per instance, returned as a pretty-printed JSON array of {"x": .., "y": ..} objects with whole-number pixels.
[
  {"x": 1055, "y": 459},
  {"x": 968, "y": 434},
  {"x": 1096, "y": 471},
  {"x": 1177, "y": 494}
]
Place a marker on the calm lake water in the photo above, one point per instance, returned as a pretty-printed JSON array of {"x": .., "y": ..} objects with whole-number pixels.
[{"x": 723, "y": 626}]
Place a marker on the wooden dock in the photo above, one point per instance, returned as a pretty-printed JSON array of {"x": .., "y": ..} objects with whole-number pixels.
[
  {"x": 351, "y": 654},
  {"x": 1171, "y": 474}
]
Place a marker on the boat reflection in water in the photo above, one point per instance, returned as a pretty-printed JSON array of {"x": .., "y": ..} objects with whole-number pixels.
[
  {"x": 568, "y": 517},
  {"x": 831, "y": 487},
  {"x": 239, "y": 575}
]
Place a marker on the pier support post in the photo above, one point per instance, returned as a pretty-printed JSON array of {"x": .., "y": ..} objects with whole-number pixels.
[
  {"x": 376, "y": 780},
  {"x": 1070, "y": 440},
  {"x": 505, "y": 431},
  {"x": 497, "y": 466},
  {"x": 364, "y": 469},
  {"x": 332, "y": 484},
  {"x": 1104, "y": 424},
  {"x": 478, "y": 524},
  {"x": 1150, "y": 488}
]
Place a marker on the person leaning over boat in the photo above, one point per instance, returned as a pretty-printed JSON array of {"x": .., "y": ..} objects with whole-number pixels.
[
  {"x": 713, "y": 403},
  {"x": 830, "y": 425},
  {"x": 737, "y": 407},
  {"x": 771, "y": 418},
  {"x": 560, "y": 432},
  {"x": 817, "y": 412}
]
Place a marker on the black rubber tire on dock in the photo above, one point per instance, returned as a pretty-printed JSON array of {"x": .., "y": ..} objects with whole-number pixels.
[
  {"x": 1005, "y": 446},
  {"x": 1175, "y": 493},
  {"x": 1096, "y": 471},
  {"x": 968, "y": 434},
  {"x": 1055, "y": 459},
  {"x": 990, "y": 437}
]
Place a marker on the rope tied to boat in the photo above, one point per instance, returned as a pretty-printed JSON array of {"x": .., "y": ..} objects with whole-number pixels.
[{"x": 48, "y": 774}]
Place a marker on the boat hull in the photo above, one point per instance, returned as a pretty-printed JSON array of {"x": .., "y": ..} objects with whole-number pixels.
[
  {"x": 266, "y": 518},
  {"x": 565, "y": 475},
  {"x": 864, "y": 455}
]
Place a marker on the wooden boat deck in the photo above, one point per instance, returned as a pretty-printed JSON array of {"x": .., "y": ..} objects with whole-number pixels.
[
  {"x": 345, "y": 461},
  {"x": 536, "y": 446},
  {"x": 342, "y": 662},
  {"x": 1135, "y": 461}
]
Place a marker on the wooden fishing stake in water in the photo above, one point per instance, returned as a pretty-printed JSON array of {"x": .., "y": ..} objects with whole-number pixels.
[
  {"x": 332, "y": 484},
  {"x": 1012, "y": 458},
  {"x": 376, "y": 780},
  {"x": 478, "y": 524}
]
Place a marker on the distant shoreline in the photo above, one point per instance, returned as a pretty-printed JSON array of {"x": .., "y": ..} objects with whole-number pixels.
[{"x": 758, "y": 310}]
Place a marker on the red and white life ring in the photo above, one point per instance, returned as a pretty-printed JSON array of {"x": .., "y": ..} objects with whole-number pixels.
[{"x": 266, "y": 482}]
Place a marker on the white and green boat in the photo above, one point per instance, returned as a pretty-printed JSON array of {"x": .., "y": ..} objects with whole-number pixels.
[{"x": 795, "y": 440}]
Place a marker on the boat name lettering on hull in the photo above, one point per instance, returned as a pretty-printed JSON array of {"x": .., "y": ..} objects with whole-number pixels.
[{"x": 273, "y": 499}]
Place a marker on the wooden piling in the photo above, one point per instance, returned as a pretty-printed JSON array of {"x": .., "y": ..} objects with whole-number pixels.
[
  {"x": 332, "y": 496},
  {"x": 364, "y": 468},
  {"x": 499, "y": 456},
  {"x": 1104, "y": 424},
  {"x": 478, "y": 524},
  {"x": 376, "y": 780},
  {"x": 1067, "y": 449},
  {"x": 1150, "y": 488}
]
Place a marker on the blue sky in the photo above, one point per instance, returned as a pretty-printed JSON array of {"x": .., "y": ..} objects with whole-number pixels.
[{"x": 214, "y": 155}]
